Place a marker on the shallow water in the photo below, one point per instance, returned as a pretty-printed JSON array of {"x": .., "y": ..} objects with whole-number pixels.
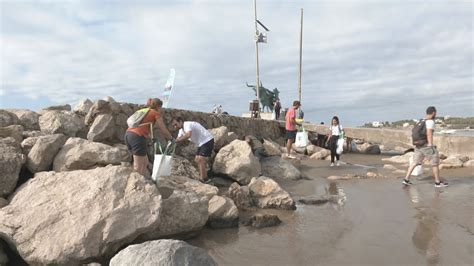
[{"x": 375, "y": 222}]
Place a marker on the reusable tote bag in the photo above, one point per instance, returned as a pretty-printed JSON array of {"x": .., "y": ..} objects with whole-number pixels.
[
  {"x": 418, "y": 169},
  {"x": 301, "y": 138},
  {"x": 340, "y": 143},
  {"x": 162, "y": 163}
]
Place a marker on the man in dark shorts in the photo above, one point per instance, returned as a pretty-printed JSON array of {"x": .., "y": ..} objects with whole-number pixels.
[
  {"x": 198, "y": 135},
  {"x": 290, "y": 127}
]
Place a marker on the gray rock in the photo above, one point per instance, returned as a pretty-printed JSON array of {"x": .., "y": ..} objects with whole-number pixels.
[
  {"x": 3, "y": 202},
  {"x": 231, "y": 136},
  {"x": 272, "y": 148},
  {"x": 276, "y": 167},
  {"x": 162, "y": 252},
  {"x": 222, "y": 213},
  {"x": 41, "y": 156},
  {"x": 312, "y": 149},
  {"x": 221, "y": 181},
  {"x": 314, "y": 201},
  {"x": 3, "y": 256},
  {"x": 83, "y": 107},
  {"x": 368, "y": 148},
  {"x": 99, "y": 107},
  {"x": 469, "y": 163},
  {"x": 8, "y": 118},
  {"x": 266, "y": 193},
  {"x": 451, "y": 162},
  {"x": 33, "y": 133},
  {"x": 240, "y": 195},
  {"x": 103, "y": 129},
  {"x": 27, "y": 118},
  {"x": 27, "y": 144},
  {"x": 65, "y": 122},
  {"x": 220, "y": 137},
  {"x": 182, "y": 167},
  {"x": 187, "y": 151},
  {"x": 237, "y": 161},
  {"x": 321, "y": 154},
  {"x": 79, "y": 153},
  {"x": 300, "y": 150},
  {"x": 188, "y": 185},
  {"x": 11, "y": 161},
  {"x": 14, "y": 131},
  {"x": 82, "y": 215},
  {"x": 262, "y": 220}
]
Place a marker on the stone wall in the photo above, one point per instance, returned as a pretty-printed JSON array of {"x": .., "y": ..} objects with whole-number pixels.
[{"x": 449, "y": 145}]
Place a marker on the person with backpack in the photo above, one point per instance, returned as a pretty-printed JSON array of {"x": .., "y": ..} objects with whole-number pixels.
[
  {"x": 422, "y": 136},
  {"x": 335, "y": 130},
  {"x": 198, "y": 135},
  {"x": 141, "y": 125}
]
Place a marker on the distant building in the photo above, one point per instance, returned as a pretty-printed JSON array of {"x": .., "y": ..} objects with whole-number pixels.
[{"x": 377, "y": 124}]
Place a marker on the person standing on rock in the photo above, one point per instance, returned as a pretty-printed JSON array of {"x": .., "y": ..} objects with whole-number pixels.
[
  {"x": 290, "y": 126},
  {"x": 135, "y": 138},
  {"x": 198, "y": 135},
  {"x": 335, "y": 130},
  {"x": 424, "y": 149}
]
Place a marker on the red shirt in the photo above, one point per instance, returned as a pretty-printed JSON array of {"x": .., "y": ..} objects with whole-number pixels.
[
  {"x": 144, "y": 130},
  {"x": 290, "y": 116}
]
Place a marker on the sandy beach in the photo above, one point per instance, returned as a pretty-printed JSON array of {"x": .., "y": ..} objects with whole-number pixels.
[{"x": 374, "y": 221}]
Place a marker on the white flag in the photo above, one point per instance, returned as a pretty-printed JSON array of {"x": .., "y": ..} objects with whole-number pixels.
[{"x": 168, "y": 88}]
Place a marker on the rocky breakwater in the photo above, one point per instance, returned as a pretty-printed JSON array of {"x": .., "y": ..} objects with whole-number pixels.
[{"x": 69, "y": 196}]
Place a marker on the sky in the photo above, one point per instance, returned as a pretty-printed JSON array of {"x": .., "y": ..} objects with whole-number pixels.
[{"x": 362, "y": 60}]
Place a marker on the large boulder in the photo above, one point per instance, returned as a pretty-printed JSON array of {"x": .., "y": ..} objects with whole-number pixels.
[
  {"x": 27, "y": 118},
  {"x": 65, "y": 122},
  {"x": 83, "y": 107},
  {"x": 41, "y": 156},
  {"x": 321, "y": 154},
  {"x": 402, "y": 159},
  {"x": 102, "y": 129},
  {"x": 266, "y": 193},
  {"x": 469, "y": 163},
  {"x": 162, "y": 252},
  {"x": 81, "y": 215},
  {"x": 272, "y": 148},
  {"x": 451, "y": 162},
  {"x": 188, "y": 151},
  {"x": 11, "y": 161},
  {"x": 240, "y": 195},
  {"x": 300, "y": 150},
  {"x": 3, "y": 202},
  {"x": 237, "y": 161},
  {"x": 262, "y": 220},
  {"x": 276, "y": 167},
  {"x": 368, "y": 148},
  {"x": 79, "y": 153},
  {"x": 182, "y": 212},
  {"x": 182, "y": 167},
  {"x": 14, "y": 131},
  {"x": 312, "y": 149},
  {"x": 99, "y": 107},
  {"x": 3, "y": 256},
  {"x": 222, "y": 213},
  {"x": 220, "y": 137},
  {"x": 28, "y": 143},
  {"x": 8, "y": 118},
  {"x": 188, "y": 185}
]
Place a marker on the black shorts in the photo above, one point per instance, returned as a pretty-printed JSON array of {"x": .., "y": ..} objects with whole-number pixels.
[
  {"x": 136, "y": 143},
  {"x": 205, "y": 149},
  {"x": 291, "y": 134}
]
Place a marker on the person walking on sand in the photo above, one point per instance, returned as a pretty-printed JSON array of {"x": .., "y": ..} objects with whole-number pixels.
[
  {"x": 135, "y": 138},
  {"x": 290, "y": 126},
  {"x": 198, "y": 135},
  {"x": 424, "y": 148},
  {"x": 335, "y": 130}
]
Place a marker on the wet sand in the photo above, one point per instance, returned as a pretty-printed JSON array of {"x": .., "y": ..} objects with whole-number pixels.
[{"x": 376, "y": 221}]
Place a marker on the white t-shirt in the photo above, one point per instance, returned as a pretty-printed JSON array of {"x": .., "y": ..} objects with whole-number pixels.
[
  {"x": 336, "y": 130},
  {"x": 430, "y": 124},
  {"x": 199, "y": 135}
]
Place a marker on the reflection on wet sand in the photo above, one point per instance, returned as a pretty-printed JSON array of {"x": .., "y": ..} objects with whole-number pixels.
[{"x": 426, "y": 235}]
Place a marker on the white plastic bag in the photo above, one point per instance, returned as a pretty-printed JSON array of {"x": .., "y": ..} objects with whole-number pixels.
[
  {"x": 302, "y": 139},
  {"x": 418, "y": 169},
  {"x": 340, "y": 146},
  {"x": 161, "y": 166}
]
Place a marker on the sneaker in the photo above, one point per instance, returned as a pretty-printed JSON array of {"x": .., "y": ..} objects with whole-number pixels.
[
  {"x": 441, "y": 184},
  {"x": 332, "y": 164},
  {"x": 407, "y": 182},
  {"x": 337, "y": 163}
]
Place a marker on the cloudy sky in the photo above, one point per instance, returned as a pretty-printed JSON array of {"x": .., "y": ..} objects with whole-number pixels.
[{"x": 362, "y": 60}]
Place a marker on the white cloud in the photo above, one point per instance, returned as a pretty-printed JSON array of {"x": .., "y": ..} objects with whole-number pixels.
[{"x": 394, "y": 55}]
